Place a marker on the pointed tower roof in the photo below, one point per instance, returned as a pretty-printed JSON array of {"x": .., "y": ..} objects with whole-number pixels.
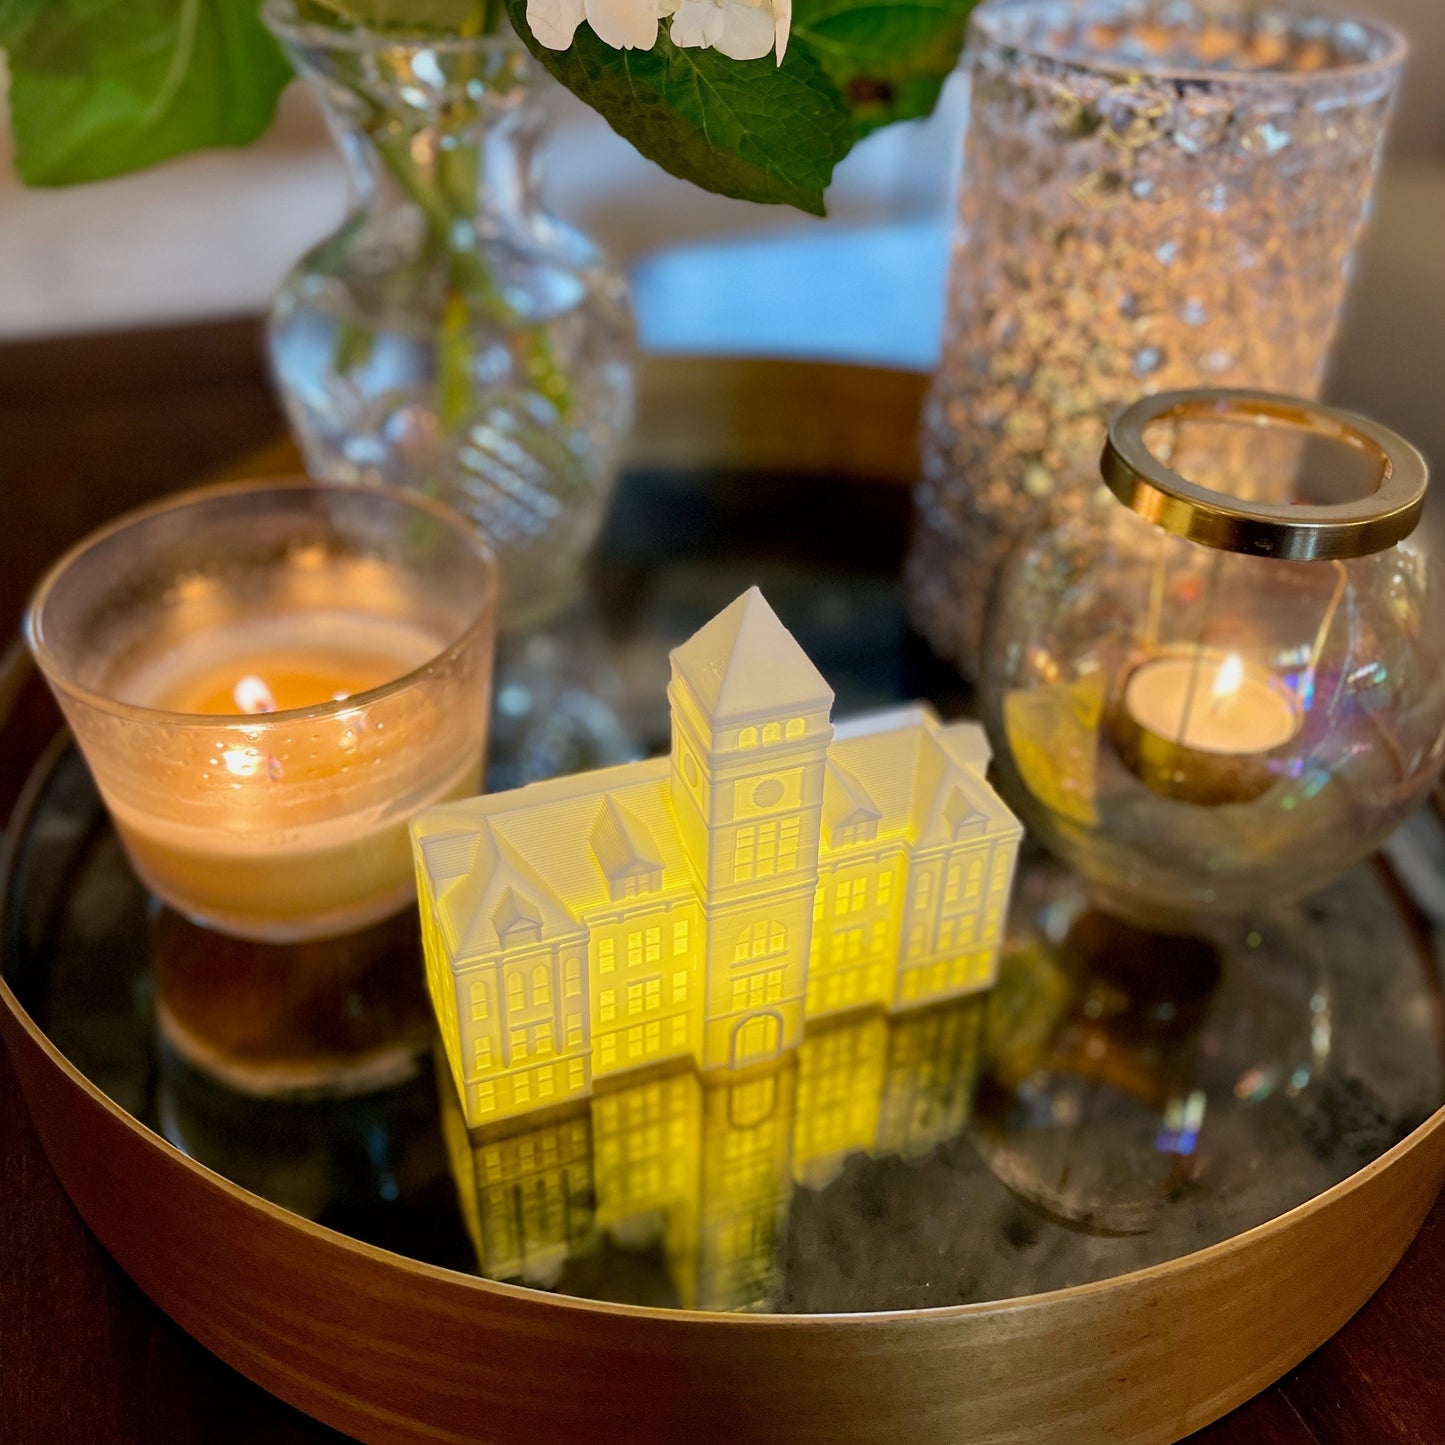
[{"x": 745, "y": 665}]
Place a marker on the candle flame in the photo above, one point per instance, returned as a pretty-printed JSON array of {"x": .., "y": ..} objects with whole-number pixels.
[
  {"x": 252, "y": 694},
  {"x": 1227, "y": 679}
]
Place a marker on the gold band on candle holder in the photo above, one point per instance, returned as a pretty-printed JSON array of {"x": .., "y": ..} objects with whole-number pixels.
[{"x": 1139, "y": 479}]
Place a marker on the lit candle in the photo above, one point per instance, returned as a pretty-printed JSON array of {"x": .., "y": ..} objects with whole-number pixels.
[
  {"x": 267, "y": 683},
  {"x": 1203, "y": 726},
  {"x": 279, "y": 860}
]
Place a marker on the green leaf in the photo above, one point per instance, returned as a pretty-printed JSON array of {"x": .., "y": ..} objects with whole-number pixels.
[
  {"x": 745, "y": 128},
  {"x": 888, "y": 58},
  {"x": 15, "y": 17},
  {"x": 101, "y": 87}
]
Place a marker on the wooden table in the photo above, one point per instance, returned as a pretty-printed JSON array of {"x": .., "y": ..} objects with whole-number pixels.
[{"x": 90, "y": 426}]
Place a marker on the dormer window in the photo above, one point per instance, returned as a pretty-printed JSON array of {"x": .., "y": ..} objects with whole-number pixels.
[
  {"x": 863, "y": 831},
  {"x": 638, "y": 885}
]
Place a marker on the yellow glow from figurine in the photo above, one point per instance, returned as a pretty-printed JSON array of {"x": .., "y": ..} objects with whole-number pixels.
[
  {"x": 699, "y": 907},
  {"x": 706, "y": 1167}
]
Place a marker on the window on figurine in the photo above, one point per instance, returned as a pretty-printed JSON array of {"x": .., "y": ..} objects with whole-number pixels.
[
  {"x": 541, "y": 985},
  {"x": 748, "y": 738},
  {"x": 745, "y": 854},
  {"x": 795, "y": 728},
  {"x": 760, "y": 940},
  {"x": 772, "y": 733},
  {"x": 636, "y": 885}
]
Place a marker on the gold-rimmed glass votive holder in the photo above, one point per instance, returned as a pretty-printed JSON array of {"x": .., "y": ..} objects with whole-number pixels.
[
  {"x": 1224, "y": 681},
  {"x": 267, "y": 679}
]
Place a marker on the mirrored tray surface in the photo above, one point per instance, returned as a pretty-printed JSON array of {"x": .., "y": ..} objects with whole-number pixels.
[{"x": 1045, "y": 1136}]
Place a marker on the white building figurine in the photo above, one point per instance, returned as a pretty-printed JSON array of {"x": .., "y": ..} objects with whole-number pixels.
[{"x": 700, "y": 906}]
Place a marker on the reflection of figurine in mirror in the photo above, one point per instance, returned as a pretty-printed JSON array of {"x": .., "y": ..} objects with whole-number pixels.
[
  {"x": 698, "y": 907},
  {"x": 697, "y": 1172}
]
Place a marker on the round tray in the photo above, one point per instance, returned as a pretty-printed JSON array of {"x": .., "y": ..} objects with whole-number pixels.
[{"x": 391, "y": 1348}]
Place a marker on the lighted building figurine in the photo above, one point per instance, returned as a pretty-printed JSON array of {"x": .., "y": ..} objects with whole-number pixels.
[
  {"x": 700, "y": 906},
  {"x": 702, "y": 1169}
]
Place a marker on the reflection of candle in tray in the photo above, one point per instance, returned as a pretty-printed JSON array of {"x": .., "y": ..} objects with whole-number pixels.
[
  {"x": 279, "y": 854},
  {"x": 1202, "y": 726},
  {"x": 268, "y": 680}
]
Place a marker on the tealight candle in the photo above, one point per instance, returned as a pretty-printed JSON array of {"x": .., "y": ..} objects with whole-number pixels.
[
  {"x": 1202, "y": 725},
  {"x": 267, "y": 682}
]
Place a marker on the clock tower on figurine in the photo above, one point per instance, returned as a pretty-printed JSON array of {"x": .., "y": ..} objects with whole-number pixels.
[{"x": 750, "y": 735}]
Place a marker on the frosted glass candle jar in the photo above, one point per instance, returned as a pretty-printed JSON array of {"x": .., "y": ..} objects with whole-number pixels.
[
  {"x": 1156, "y": 194},
  {"x": 267, "y": 680}
]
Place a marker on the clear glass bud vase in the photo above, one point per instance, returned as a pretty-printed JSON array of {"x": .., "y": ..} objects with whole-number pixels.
[{"x": 452, "y": 336}]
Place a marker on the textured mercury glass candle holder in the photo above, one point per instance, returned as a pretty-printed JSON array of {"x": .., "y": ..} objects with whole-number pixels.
[
  {"x": 1156, "y": 194},
  {"x": 1224, "y": 682},
  {"x": 267, "y": 680}
]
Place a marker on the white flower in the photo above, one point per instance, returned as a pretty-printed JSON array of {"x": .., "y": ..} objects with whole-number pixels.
[
  {"x": 555, "y": 22},
  {"x": 740, "y": 29},
  {"x": 622, "y": 24}
]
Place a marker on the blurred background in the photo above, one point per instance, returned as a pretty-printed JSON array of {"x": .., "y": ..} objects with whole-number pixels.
[{"x": 210, "y": 237}]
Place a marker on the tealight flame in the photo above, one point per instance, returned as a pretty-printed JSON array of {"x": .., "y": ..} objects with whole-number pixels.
[
  {"x": 1227, "y": 679},
  {"x": 252, "y": 695}
]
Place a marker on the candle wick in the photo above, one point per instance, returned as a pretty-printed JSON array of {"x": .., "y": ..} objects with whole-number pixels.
[{"x": 252, "y": 695}]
